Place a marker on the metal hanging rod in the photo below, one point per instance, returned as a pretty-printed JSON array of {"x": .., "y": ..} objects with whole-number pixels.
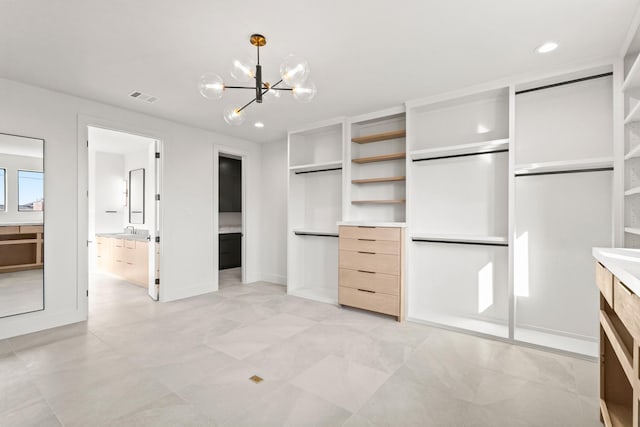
[
  {"x": 458, "y": 242},
  {"x": 460, "y": 155},
  {"x": 304, "y": 233},
  {"x": 568, "y": 82},
  {"x": 319, "y": 170},
  {"x": 609, "y": 168}
]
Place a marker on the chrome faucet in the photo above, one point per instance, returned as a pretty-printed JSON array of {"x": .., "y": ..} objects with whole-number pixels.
[{"x": 130, "y": 229}]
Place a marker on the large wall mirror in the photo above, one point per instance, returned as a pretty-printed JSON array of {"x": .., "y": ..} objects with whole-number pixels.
[
  {"x": 136, "y": 196},
  {"x": 21, "y": 224}
]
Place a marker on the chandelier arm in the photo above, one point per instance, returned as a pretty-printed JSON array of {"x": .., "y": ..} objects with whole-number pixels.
[
  {"x": 239, "y": 87},
  {"x": 246, "y": 105},
  {"x": 281, "y": 88}
]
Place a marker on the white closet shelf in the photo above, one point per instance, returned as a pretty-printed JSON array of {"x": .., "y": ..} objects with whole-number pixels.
[
  {"x": 632, "y": 191},
  {"x": 632, "y": 230},
  {"x": 634, "y": 115},
  {"x": 372, "y": 224},
  {"x": 632, "y": 81},
  {"x": 377, "y": 202},
  {"x": 329, "y": 296},
  {"x": 314, "y": 232},
  {"x": 461, "y": 150},
  {"x": 312, "y": 167},
  {"x": 564, "y": 166},
  {"x": 461, "y": 238},
  {"x": 633, "y": 153}
]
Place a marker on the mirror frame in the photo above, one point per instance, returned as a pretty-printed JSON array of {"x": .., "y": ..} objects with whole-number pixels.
[
  {"x": 131, "y": 193},
  {"x": 44, "y": 192}
]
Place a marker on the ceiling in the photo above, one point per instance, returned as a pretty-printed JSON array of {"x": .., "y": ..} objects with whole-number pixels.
[
  {"x": 109, "y": 141},
  {"x": 364, "y": 55}
]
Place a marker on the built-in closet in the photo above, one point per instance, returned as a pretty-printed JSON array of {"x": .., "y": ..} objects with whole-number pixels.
[{"x": 502, "y": 192}]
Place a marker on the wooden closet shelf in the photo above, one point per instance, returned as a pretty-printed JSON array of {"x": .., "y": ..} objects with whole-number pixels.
[
  {"x": 382, "y": 158},
  {"x": 377, "y": 202},
  {"x": 383, "y": 179},
  {"x": 384, "y": 136}
]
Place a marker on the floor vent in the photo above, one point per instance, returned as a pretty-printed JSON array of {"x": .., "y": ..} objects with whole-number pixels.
[
  {"x": 256, "y": 379},
  {"x": 143, "y": 96}
]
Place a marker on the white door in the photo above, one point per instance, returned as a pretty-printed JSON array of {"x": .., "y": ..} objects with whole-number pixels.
[{"x": 154, "y": 221}]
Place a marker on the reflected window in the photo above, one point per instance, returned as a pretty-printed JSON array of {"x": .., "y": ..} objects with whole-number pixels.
[
  {"x": 30, "y": 191},
  {"x": 3, "y": 193}
]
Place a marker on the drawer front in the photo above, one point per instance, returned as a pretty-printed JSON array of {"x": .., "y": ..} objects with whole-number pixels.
[
  {"x": 131, "y": 244},
  {"x": 604, "y": 280},
  {"x": 370, "y": 245},
  {"x": 377, "y": 282},
  {"x": 10, "y": 229},
  {"x": 381, "y": 303},
  {"x": 627, "y": 307},
  {"x": 375, "y": 233},
  {"x": 378, "y": 263},
  {"x": 31, "y": 228}
]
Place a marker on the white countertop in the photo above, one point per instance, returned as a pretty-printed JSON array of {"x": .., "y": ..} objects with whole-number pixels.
[
  {"x": 623, "y": 263},
  {"x": 373, "y": 224},
  {"x": 230, "y": 229}
]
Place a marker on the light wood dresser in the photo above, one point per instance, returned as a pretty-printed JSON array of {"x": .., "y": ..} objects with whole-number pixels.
[
  {"x": 619, "y": 339},
  {"x": 371, "y": 269}
]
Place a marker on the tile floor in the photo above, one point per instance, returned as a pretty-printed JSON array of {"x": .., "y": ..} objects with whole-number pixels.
[{"x": 188, "y": 363}]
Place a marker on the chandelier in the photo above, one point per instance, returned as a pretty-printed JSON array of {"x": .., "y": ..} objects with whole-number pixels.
[{"x": 294, "y": 73}]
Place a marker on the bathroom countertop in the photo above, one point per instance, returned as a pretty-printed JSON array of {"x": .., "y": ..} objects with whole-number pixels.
[
  {"x": 230, "y": 229},
  {"x": 126, "y": 236},
  {"x": 622, "y": 263}
]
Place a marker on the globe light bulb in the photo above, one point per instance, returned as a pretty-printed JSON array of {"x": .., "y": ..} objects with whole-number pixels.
[
  {"x": 243, "y": 70},
  {"x": 270, "y": 96},
  {"x": 304, "y": 92},
  {"x": 233, "y": 116},
  {"x": 294, "y": 71},
  {"x": 211, "y": 86}
]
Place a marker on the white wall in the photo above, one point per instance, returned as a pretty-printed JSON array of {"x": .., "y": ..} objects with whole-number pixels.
[
  {"x": 188, "y": 218},
  {"x": 106, "y": 193},
  {"x": 274, "y": 212},
  {"x": 11, "y": 164}
]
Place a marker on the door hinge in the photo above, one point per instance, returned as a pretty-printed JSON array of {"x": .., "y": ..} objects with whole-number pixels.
[
  {"x": 87, "y": 142},
  {"x": 157, "y": 281},
  {"x": 157, "y": 155},
  {"x": 87, "y": 293},
  {"x": 157, "y": 239},
  {"x": 157, "y": 197}
]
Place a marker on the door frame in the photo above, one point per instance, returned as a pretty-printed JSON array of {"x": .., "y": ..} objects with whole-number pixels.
[
  {"x": 244, "y": 156},
  {"x": 84, "y": 122}
]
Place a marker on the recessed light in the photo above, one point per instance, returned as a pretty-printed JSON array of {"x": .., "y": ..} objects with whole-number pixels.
[
  {"x": 547, "y": 47},
  {"x": 259, "y": 124}
]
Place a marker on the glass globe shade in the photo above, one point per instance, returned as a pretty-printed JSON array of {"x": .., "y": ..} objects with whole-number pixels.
[
  {"x": 243, "y": 70},
  {"x": 211, "y": 86},
  {"x": 233, "y": 117},
  {"x": 294, "y": 71},
  {"x": 271, "y": 95},
  {"x": 304, "y": 92}
]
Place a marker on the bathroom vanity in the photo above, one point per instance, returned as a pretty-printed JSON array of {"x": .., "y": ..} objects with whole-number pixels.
[{"x": 125, "y": 256}]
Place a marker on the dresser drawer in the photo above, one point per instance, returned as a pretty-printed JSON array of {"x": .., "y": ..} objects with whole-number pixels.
[
  {"x": 381, "y": 303},
  {"x": 369, "y": 245},
  {"x": 604, "y": 280},
  {"x": 377, "y": 282},
  {"x": 375, "y": 233},
  {"x": 9, "y": 229},
  {"x": 378, "y": 263},
  {"x": 627, "y": 306},
  {"x": 31, "y": 229}
]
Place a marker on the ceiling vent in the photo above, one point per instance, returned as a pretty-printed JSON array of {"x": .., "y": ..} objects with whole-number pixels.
[{"x": 143, "y": 97}]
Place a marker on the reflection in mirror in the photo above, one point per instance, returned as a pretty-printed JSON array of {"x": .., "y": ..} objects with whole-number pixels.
[
  {"x": 21, "y": 224},
  {"x": 136, "y": 196}
]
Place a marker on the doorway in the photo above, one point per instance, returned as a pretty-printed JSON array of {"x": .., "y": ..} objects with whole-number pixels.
[
  {"x": 231, "y": 209},
  {"x": 124, "y": 216}
]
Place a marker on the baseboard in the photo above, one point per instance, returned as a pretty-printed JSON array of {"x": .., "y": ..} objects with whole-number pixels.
[
  {"x": 274, "y": 278},
  {"x": 38, "y": 321}
]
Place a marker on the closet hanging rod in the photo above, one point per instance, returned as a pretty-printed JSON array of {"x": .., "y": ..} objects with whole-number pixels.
[
  {"x": 460, "y": 155},
  {"x": 568, "y": 82},
  {"x": 319, "y": 170},
  {"x": 608, "y": 168},
  {"x": 305, "y": 233},
  {"x": 457, "y": 242}
]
